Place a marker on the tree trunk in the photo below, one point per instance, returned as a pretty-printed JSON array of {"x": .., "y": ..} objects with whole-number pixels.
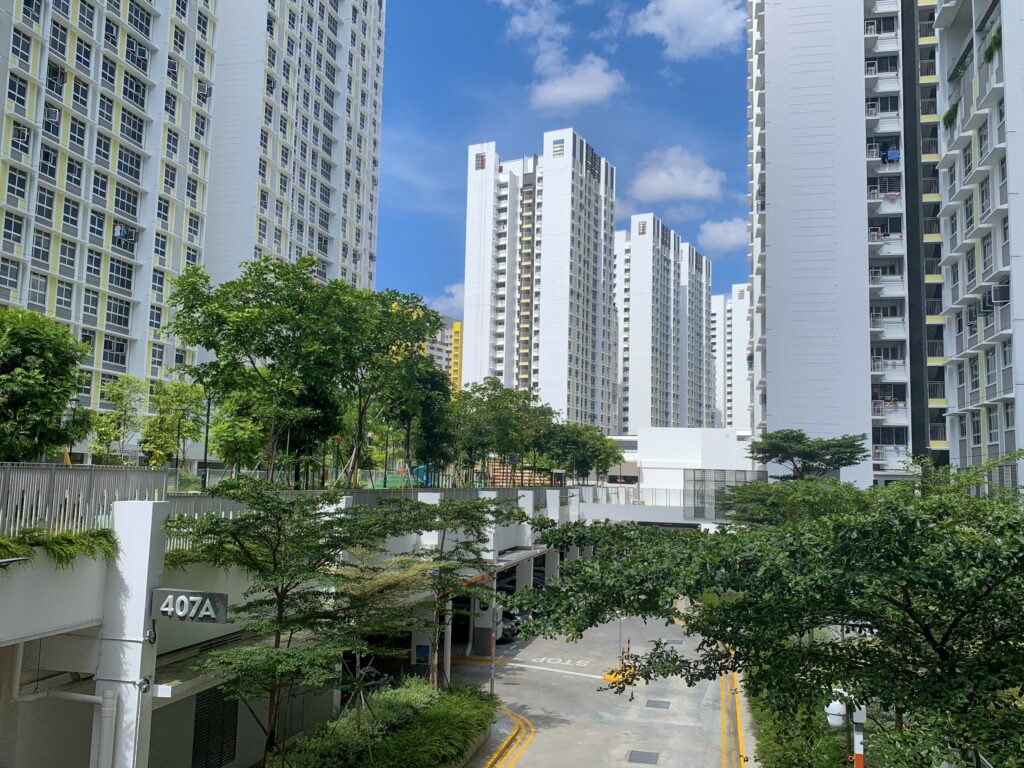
[{"x": 270, "y": 745}]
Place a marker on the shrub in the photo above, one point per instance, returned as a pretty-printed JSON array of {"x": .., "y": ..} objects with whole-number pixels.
[
  {"x": 63, "y": 547},
  {"x": 789, "y": 736},
  {"x": 413, "y": 725}
]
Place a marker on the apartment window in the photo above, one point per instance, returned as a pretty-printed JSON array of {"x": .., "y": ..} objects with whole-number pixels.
[
  {"x": 990, "y": 366},
  {"x": 157, "y": 282},
  {"x": 67, "y": 253},
  {"x": 156, "y": 359},
  {"x": 126, "y": 200},
  {"x": 971, "y": 265},
  {"x": 86, "y": 15},
  {"x": 31, "y": 10},
  {"x": 160, "y": 246},
  {"x": 132, "y": 126},
  {"x": 37, "y": 289},
  {"x": 171, "y": 106},
  {"x": 115, "y": 350},
  {"x": 17, "y": 90},
  {"x": 972, "y": 366},
  {"x": 200, "y": 130},
  {"x": 41, "y": 247},
  {"x": 20, "y": 135},
  {"x": 65, "y": 294},
  {"x": 163, "y": 210},
  {"x": 171, "y": 143},
  {"x": 99, "y": 187},
  {"x": 1007, "y": 353},
  {"x": 170, "y": 179},
  {"x": 1009, "y": 415},
  {"x": 17, "y": 183},
  {"x": 83, "y": 54},
  {"x": 134, "y": 90},
  {"x": 191, "y": 256},
  {"x": 58, "y": 39},
  {"x": 975, "y": 428},
  {"x": 481, "y": 161},
  {"x": 156, "y": 317},
  {"x": 90, "y": 303},
  {"x": 21, "y": 47},
  {"x": 97, "y": 224},
  {"x": 179, "y": 40},
  {"x": 80, "y": 93},
  {"x": 987, "y": 251},
  {"x": 102, "y": 153},
  {"x": 70, "y": 215},
  {"x": 121, "y": 275},
  {"x": 192, "y": 190},
  {"x": 194, "y": 155},
  {"x": 108, "y": 71},
  {"x": 129, "y": 164},
  {"x": 10, "y": 271},
  {"x": 139, "y": 17},
  {"x": 73, "y": 172},
  {"x": 14, "y": 227},
  {"x": 119, "y": 312}
]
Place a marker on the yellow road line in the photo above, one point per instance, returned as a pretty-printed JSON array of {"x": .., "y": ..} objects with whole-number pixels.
[
  {"x": 739, "y": 716},
  {"x": 725, "y": 740},
  {"x": 513, "y": 757},
  {"x": 500, "y": 752}
]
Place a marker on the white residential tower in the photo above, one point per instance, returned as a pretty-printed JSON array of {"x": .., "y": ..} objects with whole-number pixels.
[{"x": 730, "y": 336}]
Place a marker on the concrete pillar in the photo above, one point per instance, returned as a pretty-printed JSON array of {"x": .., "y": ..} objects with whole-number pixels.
[
  {"x": 554, "y": 505},
  {"x": 551, "y": 563},
  {"x": 447, "y": 653},
  {"x": 524, "y": 574},
  {"x": 482, "y": 624},
  {"x": 127, "y": 655},
  {"x": 433, "y": 537}
]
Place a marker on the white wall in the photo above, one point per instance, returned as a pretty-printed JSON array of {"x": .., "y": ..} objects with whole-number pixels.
[
  {"x": 663, "y": 454},
  {"x": 818, "y": 376}
]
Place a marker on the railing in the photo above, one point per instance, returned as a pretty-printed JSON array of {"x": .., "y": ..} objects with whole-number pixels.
[
  {"x": 872, "y": 151},
  {"x": 926, "y": 29},
  {"x": 881, "y": 408},
  {"x": 931, "y": 226},
  {"x": 929, "y": 186},
  {"x": 936, "y": 389},
  {"x": 931, "y": 266},
  {"x": 870, "y": 28},
  {"x": 936, "y": 349},
  {"x": 933, "y": 306},
  {"x": 56, "y": 497},
  {"x": 875, "y": 234},
  {"x": 929, "y": 146},
  {"x": 937, "y": 432},
  {"x": 875, "y": 320},
  {"x": 927, "y": 67},
  {"x": 871, "y": 108},
  {"x": 871, "y": 68},
  {"x": 929, "y": 107},
  {"x": 874, "y": 193}
]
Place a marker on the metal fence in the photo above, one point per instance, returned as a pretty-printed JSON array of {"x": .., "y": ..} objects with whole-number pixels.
[{"x": 56, "y": 497}]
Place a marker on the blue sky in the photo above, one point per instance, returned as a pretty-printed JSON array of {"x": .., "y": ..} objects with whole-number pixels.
[{"x": 657, "y": 86}]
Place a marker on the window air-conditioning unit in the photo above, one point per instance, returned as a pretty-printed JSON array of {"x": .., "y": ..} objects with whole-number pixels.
[{"x": 52, "y": 115}]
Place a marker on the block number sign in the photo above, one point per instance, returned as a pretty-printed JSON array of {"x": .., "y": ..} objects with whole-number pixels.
[{"x": 190, "y": 605}]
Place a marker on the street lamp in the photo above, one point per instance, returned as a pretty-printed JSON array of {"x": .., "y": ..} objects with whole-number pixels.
[
  {"x": 180, "y": 410},
  {"x": 836, "y": 713}
]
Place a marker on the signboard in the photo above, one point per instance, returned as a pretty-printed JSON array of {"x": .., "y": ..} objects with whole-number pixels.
[{"x": 190, "y": 605}]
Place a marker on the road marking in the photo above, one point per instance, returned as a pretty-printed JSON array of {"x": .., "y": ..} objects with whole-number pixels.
[
  {"x": 739, "y": 716},
  {"x": 499, "y": 753},
  {"x": 513, "y": 757},
  {"x": 479, "y": 659},
  {"x": 553, "y": 669}
]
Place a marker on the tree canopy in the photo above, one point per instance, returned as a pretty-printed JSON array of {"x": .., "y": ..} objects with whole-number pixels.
[
  {"x": 39, "y": 384},
  {"x": 808, "y": 457},
  {"x": 913, "y": 594}
]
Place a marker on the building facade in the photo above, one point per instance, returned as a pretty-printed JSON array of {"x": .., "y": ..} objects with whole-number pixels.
[
  {"x": 445, "y": 349},
  {"x": 730, "y": 337},
  {"x": 296, "y": 140},
  {"x": 663, "y": 303},
  {"x": 982, "y": 214},
  {"x": 847, "y": 326},
  {"x": 539, "y": 301},
  {"x": 105, "y": 158}
]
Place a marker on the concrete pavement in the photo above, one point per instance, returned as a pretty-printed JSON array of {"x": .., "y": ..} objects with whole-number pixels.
[{"x": 553, "y": 684}]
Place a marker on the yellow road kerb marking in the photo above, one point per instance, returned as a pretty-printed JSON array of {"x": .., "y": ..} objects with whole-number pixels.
[
  {"x": 499, "y": 753},
  {"x": 512, "y": 758}
]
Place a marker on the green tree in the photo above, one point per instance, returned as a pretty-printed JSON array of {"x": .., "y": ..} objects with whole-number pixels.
[
  {"x": 113, "y": 430},
  {"x": 280, "y": 339},
  {"x": 237, "y": 434},
  {"x": 290, "y": 548},
  {"x": 580, "y": 449},
  {"x": 762, "y": 503},
  {"x": 393, "y": 327},
  {"x": 177, "y": 416},
  {"x": 913, "y": 594},
  {"x": 808, "y": 457},
  {"x": 39, "y": 384},
  {"x": 463, "y": 530}
]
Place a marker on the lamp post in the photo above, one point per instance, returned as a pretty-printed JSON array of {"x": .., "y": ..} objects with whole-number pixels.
[
  {"x": 836, "y": 712},
  {"x": 177, "y": 449},
  {"x": 206, "y": 443}
]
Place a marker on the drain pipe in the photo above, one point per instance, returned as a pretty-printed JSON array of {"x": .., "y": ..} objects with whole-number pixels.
[{"x": 107, "y": 704}]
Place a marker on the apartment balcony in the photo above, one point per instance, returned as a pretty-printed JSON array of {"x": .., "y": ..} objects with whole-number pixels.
[
  {"x": 926, "y": 32},
  {"x": 889, "y": 457},
  {"x": 890, "y": 412},
  {"x": 927, "y": 69},
  {"x": 886, "y": 370},
  {"x": 990, "y": 84},
  {"x": 886, "y": 286},
  {"x": 933, "y": 312},
  {"x": 945, "y": 12},
  {"x": 937, "y": 438},
  {"x": 929, "y": 148},
  {"x": 937, "y": 394},
  {"x": 885, "y": 202},
  {"x": 936, "y": 352}
]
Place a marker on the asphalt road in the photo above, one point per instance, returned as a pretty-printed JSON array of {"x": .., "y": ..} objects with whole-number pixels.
[{"x": 551, "y": 688}]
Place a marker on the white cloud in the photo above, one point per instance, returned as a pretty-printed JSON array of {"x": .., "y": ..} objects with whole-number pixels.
[
  {"x": 676, "y": 174},
  {"x": 690, "y": 29},
  {"x": 589, "y": 82},
  {"x": 561, "y": 84},
  {"x": 722, "y": 236},
  {"x": 451, "y": 301}
]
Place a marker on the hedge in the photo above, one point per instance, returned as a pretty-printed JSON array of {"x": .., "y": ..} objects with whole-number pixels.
[
  {"x": 413, "y": 726},
  {"x": 796, "y": 736},
  {"x": 63, "y": 547}
]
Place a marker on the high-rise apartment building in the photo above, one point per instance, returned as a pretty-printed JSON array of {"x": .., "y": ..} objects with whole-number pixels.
[
  {"x": 730, "y": 336},
  {"x": 539, "y": 302},
  {"x": 980, "y": 205},
  {"x": 296, "y": 139},
  {"x": 105, "y": 163},
  {"x": 663, "y": 303},
  {"x": 445, "y": 349},
  {"x": 847, "y": 330}
]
